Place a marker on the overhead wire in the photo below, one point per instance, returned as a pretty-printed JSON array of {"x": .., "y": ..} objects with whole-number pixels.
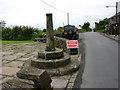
[{"x": 52, "y": 6}]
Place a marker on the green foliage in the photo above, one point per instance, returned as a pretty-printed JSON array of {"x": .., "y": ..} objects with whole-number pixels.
[
  {"x": 101, "y": 24},
  {"x": 18, "y": 33},
  {"x": 39, "y": 34},
  {"x": 86, "y": 26},
  {"x": 81, "y": 30},
  {"x": 6, "y": 33},
  {"x": 44, "y": 30},
  {"x": 58, "y": 31}
]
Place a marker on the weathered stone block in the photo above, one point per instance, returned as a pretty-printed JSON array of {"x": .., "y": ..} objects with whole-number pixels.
[{"x": 40, "y": 77}]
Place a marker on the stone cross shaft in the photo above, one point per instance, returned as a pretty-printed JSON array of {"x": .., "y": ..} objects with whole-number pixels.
[{"x": 49, "y": 33}]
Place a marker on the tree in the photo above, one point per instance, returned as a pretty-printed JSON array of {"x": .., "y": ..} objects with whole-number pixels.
[
  {"x": 44, "y": 30},
  {"x": 101, "y": 24},
  {"x": 86, "y": 26}
]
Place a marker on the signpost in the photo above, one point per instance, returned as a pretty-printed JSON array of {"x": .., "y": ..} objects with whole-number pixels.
[{"x": 72, "y": 44}]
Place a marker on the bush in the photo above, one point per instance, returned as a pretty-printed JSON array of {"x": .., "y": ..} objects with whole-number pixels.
[
  {"x": 81, "y": 30},
  {"x": 39, "y": 34},
  {"x": 18, "y": 33},
  {"x": 58, "y": 32}
]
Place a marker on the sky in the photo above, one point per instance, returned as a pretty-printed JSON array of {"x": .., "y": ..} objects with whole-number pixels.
[{"x": 33, "y": 12}]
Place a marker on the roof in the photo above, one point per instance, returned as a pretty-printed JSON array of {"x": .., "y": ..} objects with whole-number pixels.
[{"x": 118, "y": 14}]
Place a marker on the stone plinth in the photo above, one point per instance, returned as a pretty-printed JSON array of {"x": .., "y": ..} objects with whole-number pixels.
[
  {"x": 56, "y": 63},
  {"x": 51, "y": 55},
  {"x": 69, "y": 68}
]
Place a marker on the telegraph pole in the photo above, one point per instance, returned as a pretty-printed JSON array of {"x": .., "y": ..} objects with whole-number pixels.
[
  {"x": 116, "y": 26},
  {"x": 68, "y": 18},
  {"x": 63, "y": 24}
]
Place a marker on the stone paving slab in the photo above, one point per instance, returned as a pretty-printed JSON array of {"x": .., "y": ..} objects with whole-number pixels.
[
  {"x": 20, "y": 54},
  {"x": 6, "y": 53},
  {"x": 28, "y": 56},
  {"x": 0, "y": 63},
  {"x": 1, "y": 77},
  {"x": 10, "y": 71},
  {"x": 34, "y": 53},
  {"x": 16, "y": 64},
  {"x": 0, "y": 71},
  {"x": 14, "y": 55},
  {"x": 4, "y": 62},
  {"x": 9, "y": 58},
  {"x": 23, "y": 59},
  {"x": 59, "y": 82}
]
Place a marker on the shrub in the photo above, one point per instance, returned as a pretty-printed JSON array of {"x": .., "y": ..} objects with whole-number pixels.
[{"x": 18, "y": 33}]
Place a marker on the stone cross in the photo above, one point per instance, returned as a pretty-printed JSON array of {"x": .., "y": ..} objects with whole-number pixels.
[{"x": 49, "y": 33}]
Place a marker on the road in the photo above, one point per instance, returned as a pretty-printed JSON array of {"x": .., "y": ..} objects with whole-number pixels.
[{"x": 100, "y": 66}]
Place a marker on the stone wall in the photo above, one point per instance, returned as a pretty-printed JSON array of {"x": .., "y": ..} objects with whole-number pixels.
[{"x": 60, "y": 43}]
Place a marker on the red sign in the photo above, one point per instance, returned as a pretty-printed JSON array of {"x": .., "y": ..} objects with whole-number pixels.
[{"x": 72, "y": 43}]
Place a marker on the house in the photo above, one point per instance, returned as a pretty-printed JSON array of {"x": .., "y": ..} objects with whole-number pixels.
[
  {"x": 113, "y": 25},
  {"x": 114, "y": 22}
]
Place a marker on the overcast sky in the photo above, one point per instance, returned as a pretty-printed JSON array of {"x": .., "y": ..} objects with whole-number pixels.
[{"x": 33, "y": 12}]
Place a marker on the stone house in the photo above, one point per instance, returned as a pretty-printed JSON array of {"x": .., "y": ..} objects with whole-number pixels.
[{"x": 112, "y": 26}]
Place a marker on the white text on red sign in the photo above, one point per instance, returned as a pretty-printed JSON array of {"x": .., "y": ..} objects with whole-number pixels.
[{"x": 72, "y": 43}]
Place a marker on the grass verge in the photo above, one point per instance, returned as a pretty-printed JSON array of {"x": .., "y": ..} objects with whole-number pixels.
[{"x": 13, "y": 42}]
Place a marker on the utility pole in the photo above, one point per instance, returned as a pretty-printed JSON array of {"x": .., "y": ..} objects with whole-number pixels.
[
  {"x": 116, "y": 23},
  {"x": 63, "y": 24},
  {"x": 68, "y": 18},
  {"x": 116, "y": 26}
]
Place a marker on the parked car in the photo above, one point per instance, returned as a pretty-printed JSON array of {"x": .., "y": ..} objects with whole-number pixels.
[{"x": 70, "y": 32}]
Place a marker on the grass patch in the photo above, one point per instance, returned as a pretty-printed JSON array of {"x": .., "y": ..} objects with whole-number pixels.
[{"x": 13, "y": 42}]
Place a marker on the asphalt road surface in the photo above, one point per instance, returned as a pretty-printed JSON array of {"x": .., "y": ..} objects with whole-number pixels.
[{"x": 100, "y": 69}]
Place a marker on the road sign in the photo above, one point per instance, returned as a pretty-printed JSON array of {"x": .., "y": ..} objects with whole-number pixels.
[{"x": 72, "y": 43}]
